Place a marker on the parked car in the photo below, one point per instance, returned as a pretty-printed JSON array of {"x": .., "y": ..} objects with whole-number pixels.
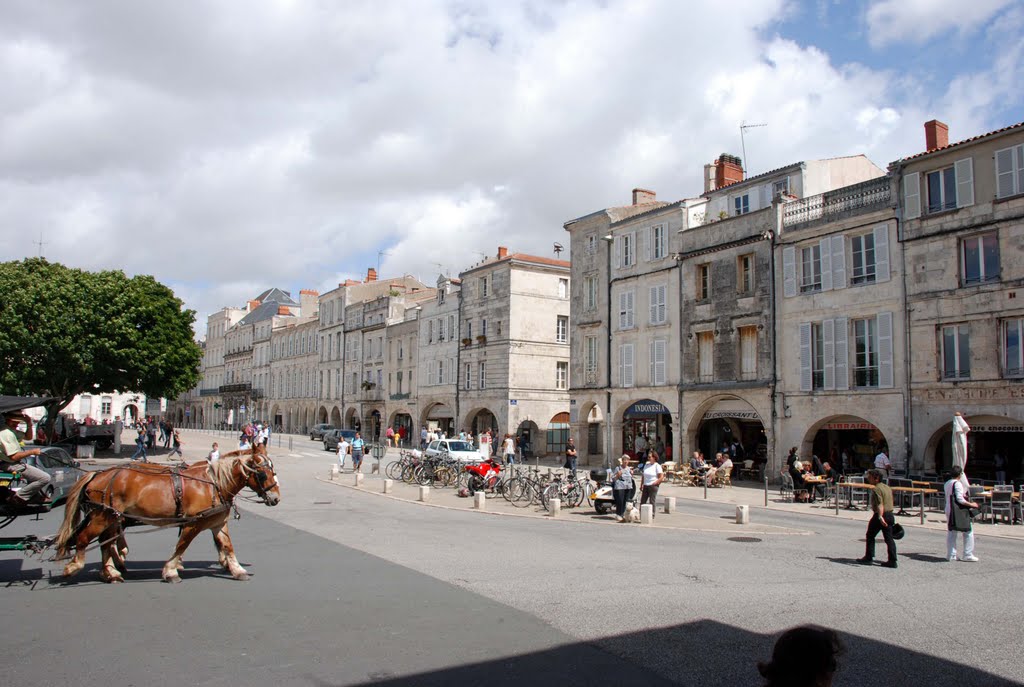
[
  {"x": 317, "y": 433},
  {"x": 462, "y": 451},
  {"x": 333, "y": 437},
  {"x": 60, "y": 466}
]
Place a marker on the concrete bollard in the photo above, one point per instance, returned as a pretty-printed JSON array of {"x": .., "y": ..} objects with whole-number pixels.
[
  {"x": 742, "y": 515},
  {"x": 388, "y": 485},
  {"x": 424, "y": 494},
  {"x": 480, "y": 500},
  {"x": 375, "y": 468},
  {"x": 670, "y": 504},
  {"x": 646, "y": 514},
  {"x": 555, "y": 507},
  {"x": 358, "y": 479},
  {"x": 334, "y": 472}
]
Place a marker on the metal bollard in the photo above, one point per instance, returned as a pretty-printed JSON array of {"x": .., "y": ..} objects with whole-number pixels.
[
  {"x": 289, "y": 443},
  {"x": 705, "y": 488},
  {"x": 388, "y": 485},
  {"x": 742, "y": 515},
  {"x": 424, "y": 494},
  {"x": 646, "y": 514},
  {"x": 670, "y": 504},
  {"x": 480, "y": 500},
  {"x": 766, "y": 491},
  {"x": 555, "y": 507}
]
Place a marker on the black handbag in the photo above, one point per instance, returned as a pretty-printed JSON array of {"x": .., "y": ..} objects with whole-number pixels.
[{"x": 898, "y": 531}]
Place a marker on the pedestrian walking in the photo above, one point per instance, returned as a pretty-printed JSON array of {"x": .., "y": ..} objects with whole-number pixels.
[
  {"x": 571, "y": 455},
  {"x": 508, "y": 447},
  {"x": 622, "y": 484},
  {"x": 357, "y": 452},
  {"x": 390, "y": 435},
  {"x": 343, "y": 450},
  {"x": 803, "y": 656},
  {"x": 176, "y": 441},
  {"x": 654, "y": 475},
  {"x": 958, "y": 517},
  {"x": 140, "y": 446},
  {"x": 882, "y": 520}
]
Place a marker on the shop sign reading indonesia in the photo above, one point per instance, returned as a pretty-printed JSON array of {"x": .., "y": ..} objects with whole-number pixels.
[{"x": 645, "y": 407}]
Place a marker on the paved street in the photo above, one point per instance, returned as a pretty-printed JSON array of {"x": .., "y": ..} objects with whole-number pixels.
[{"x": 351, "y": 587}]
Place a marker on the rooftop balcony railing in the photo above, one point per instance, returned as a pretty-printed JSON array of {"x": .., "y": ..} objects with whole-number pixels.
[{"x": 873, "y": 193}]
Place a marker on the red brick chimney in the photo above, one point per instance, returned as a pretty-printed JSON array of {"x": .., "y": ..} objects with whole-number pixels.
[
  {"x": 309, "y": 292},
  {"x": 936, "y": 135},
  {"x": 502, "y": 252},
  {"x": 253, "y": 304},
  {"x": 728, "y": 170},
  {"x": 371, "y": 274},
  {"x": 349, "y": 282},
  {"x": 283, "y": 310},
  {"x": 642, "y": 195}
]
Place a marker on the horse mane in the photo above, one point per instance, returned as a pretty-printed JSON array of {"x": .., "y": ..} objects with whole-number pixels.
[{"x": 221, "y": 471}]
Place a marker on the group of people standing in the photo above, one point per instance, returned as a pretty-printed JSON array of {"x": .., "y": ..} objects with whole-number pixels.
[
  {"x": 356, "y": 448},
  {"x": 253, "y": 433},
  {"x": 623, "y": 485}
]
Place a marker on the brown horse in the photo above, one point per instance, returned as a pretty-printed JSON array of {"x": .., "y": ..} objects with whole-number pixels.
[{"x": 194, "y": 498}]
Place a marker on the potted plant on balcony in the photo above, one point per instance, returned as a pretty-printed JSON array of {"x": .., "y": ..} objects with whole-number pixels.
[
  {"x": 481, "y": 339},
  {"x": 368, "y": 385},
  {"x": 466, "y": 341}
]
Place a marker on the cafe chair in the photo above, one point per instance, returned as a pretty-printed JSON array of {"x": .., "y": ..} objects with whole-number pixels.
[
  {"x": 721, "y": 478},
  {"x": 1001, "y": 504},
  {"x": 786, "y": 488},
  {"x": 670, "y": 470},
  {"x": 748, "y": 471}
]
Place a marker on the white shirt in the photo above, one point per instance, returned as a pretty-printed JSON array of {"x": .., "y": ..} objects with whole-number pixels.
[
  {"x": 342, "y": 448},
  {"x": 882, "y": 461},
  {"x": 510, "y": 446},
  {"x": 955, "y": 488},
  {"x": 651, "y": 473},
  {"x": 213, "y": 457}
]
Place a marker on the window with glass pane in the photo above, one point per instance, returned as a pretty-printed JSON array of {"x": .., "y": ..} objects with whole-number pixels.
[
  {"x": 658, "y": 241},
  {"x": 817, "y": 357},
  {"x": 980, "y": 258},
  {"x": 741, "y": 204},
  {"x": 440, "y": 372},
  {"x": 863, "y": 249},
  {"x": 469, "y": 376},
  {"x": 563, "y": 288},
  {"x": 748, "y": 353},
  {"x": 956, "y": 352},
  {"x": 703, "y": 282},
  {"x": 590, "y": 365},
  {"x": 941, "y": 190},
  {"x": 561, "y": 375},
  {"x": 562, "y": 329},
  {"x": 589, "y": 293},
  {"x": 706, "y": 357},
  {"x": 1013, "y": 334},
  {"x": 482, "y": 372},
  {"x": 627, "y": 249},
  {"x": 780, "y": 187},
  {"x": 745, "y": 274},
  {"x": 484, "y": 287},
  {"x": 865, "y": 364},
  {"x": 591, "y": 244},
  {"x": 810, "y": 268}
]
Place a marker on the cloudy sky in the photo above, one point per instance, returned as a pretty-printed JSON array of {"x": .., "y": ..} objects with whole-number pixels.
[{"x": 229, "y": 146}]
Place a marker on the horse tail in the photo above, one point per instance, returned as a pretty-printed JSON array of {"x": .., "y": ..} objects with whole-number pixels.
[{"x": 72, "y": 515}]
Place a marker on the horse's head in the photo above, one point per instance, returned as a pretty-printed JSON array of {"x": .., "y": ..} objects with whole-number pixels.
[{"x": 260, "y": 476}]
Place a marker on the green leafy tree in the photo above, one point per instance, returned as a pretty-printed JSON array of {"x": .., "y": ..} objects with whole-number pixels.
[{"x": 67, "y": 331}]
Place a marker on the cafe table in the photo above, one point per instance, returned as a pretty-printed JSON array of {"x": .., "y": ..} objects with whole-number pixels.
[{"x": 916, "y": 490}]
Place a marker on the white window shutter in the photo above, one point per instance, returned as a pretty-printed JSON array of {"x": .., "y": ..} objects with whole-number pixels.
[
  {"x": 841, "y": 354},
  {"x": 631, "y": 310},
  {"x": 885, "y": 375},
  {"x": 805, "y": 356},
  {"x": 964, "y": 182},
  {"x": 650, "y": 371},
  {"x": 828, "y": 353},
  {"x": 825, "y": 247},
  {"x": 622, "y": 310},
  {"x": 650, "y": 236},
  {"x": 659, "y": 361},
  {"x": 652, "y": 296},
  {"x": 1005, "y": 182},
  {"x": 618, "y": 251},
  {"x": 911, "y": 196},
  {"x": 634, "y": 254},
  {"x": 882, "y": 252},
  {"x": 839, "y": 262},
  {"x": 789, "y": 271}
]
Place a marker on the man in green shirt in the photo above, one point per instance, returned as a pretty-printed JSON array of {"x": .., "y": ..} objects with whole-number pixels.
[
  {"x": 11, "y": 454},
  {"x": 882, "y": 520}
]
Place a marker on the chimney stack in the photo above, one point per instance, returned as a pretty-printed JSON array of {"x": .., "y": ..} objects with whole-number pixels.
[
  {"x": 936, "y": 135},
  {"x": 502, "y": 252},
  {"x": 253, "y": 304},
  {"x": 371, "y": 274},
  {"x": 283, "y": 310},
  {"x": 642, "y": 195},
  {"x": 728, "y": 170}
]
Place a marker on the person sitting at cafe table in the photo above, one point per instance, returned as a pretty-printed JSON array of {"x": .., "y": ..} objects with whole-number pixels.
[
  {"x": 697, "y": 463},
  {"x": 722, "y": 462},
  {"x": 796, "y": 471}
]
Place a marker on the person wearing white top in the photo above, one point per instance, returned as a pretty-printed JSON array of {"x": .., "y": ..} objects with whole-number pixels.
[
  {"x": 343, "y": 446},
  {"x": 214, "y": 454},
  {"x": 509, "y": 448},
  {"x": 653, "y": 477},
  {"x": 883, "y": 463},
  {"x": 958, "y": 518}
]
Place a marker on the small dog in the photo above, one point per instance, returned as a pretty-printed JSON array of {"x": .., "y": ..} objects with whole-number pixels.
[{"x": 631, "y": 514}]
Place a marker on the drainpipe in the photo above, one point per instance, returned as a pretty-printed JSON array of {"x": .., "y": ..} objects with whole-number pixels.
[
  {"x": 908, "y": 421},
  {"x": 458, "y": 363},
  {"x": 608, "y": 240},
  {"x": 772, "y": 236}
]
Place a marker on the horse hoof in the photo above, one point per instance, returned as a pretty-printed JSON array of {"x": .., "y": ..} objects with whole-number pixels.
[
  {"x": 244, "y": 577},
  {"x": 172, "y": 580}
]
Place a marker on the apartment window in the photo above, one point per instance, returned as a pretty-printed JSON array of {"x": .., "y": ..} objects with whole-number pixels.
[
  {"x": 106, "y": 405},
  {"x": 626, "y": 365},
  {"x": 626, "y": 319},
  {"x": 658, "y": 242},
  {"x": 484, "y": 287},
  {"x": 440, "y": 372},
  {"x": 626, "y": 247},
  {"x": 469, "y": 329},
  {"x": 1013, "y": 348},
  {"x": 441, "y": 333},
  {"x": 482, "y": 373},
  {"x": 440, "y": 297},
  {"x": 590, "y": 293},
  {"x": 590, "y": 359},
  {"x": 561, "y": 375},
  {"x": 497, "y": 328},
  {"x": 703, "y": 282},
  {"x": 430, "y": 331},
  {"x": 941, "y": 185},
  {"x": 705, "y": 357},
  {"x": 563, "y": 288},
  {"x": 562, "y": 329},
  {"x": 658, "y": 358},
  {"x": 452, "y": 332},
  {"x": 658, "y": 296},
  {"x": 780, "y": 187},
  {"x": 748, "y": 353},
  {"x": 865, "y": 362},
  {"x": 469, "y": 376},
  {"x": 979, "y": 258},
  {"x": 591, "y": 244},
  {"x": 741, "y": 204},
  {"x": 863, "y": 249},
  {"x": 483, "y": 327},
  {"x": 810, "y": 268},
  {"x": 745, "y": 273},
  {"x": 401, "y": 350},
  {"x": 956, "y": 352},
  {"x": 1009, "y": 171},
  {"x": 817, "y": 356}
]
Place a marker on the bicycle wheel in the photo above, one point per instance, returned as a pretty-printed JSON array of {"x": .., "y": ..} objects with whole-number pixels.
[
  {"x": 575, "y": 496},
  {"x": 393, "y": 470},
  {"x": 445, "y": 476}
]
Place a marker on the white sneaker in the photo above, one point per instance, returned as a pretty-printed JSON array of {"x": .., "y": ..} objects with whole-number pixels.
[
  {"x": 970, "y": 559},
  {"x": 953, "y": 557}
]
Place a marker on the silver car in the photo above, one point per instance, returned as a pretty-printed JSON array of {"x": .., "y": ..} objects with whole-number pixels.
[
  {"x": 462, "y": 451},
  {"x": 60, "y": 466}
]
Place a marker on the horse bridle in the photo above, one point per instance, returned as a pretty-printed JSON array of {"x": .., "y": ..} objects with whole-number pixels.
[{"x": 260, "y": 478}]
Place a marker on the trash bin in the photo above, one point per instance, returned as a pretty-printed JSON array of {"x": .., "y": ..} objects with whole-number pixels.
[{"x": 86, "y": 451}]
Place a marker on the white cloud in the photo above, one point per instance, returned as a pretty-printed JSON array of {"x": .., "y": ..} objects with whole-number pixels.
[
  {"x": 917, "y": 21},
  {"x": 229, "y": 147}
]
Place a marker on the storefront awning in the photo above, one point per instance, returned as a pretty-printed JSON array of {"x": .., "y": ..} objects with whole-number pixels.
[{"x": 440, "y": 412}]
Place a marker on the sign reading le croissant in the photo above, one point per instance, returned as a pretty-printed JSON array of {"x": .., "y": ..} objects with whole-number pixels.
[{"x": 731, "y": 408}]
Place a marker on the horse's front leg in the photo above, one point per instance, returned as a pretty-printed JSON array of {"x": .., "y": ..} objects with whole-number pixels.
[
  {"x": 94, "y": 525},
  {"x": 109, "y": 570},
  {"x": 119, "y": 550},
  {"x": 226, "y": 553},
  {"x": 173, "y": 564}
]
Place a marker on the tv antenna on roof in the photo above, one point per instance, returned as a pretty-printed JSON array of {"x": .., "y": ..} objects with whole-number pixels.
[
  {"x": 558, "y": 249},
  {"x": 40, "y": 243},
  {"x": 743, "y": 144}
]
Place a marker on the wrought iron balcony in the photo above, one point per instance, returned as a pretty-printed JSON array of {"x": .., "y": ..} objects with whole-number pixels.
[
  {"x": 209, "y": 392},
  {"x": 238, "y": 388},
  {"x": 874, "y": 193}
]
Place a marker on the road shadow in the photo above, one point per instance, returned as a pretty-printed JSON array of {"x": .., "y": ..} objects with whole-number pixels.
[
  {"x": 143, "y": 571},
  {"x": 706, "y": 653},
  {"x": 924, "y": 557},
  {"x": 844, "y": 560}
]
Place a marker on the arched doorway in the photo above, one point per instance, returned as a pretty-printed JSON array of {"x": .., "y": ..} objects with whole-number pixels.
[
  {"x": 322, "y": 416},
  {"x": 372, "y": 426},
  {"x": 993, "y": 439},
  {"x": 528, "y": 436},
  {"x": 130, "y": 414},
  {"x": 729, "y": 421},
  {"x": 278, "y": 418},
  {"x": 401, "y": 422},
  {"x": 352, "y": 420},
  {"x": 558, "y": 433},
  {"x": 589, "y": 425},
  {"x": 482, "y": 420},
  {"x": 438, "y": 417},
  {"x": 647, "y": 423},
  {"x": 831, "y": 437},
  {"x": 335, "y": 417}
]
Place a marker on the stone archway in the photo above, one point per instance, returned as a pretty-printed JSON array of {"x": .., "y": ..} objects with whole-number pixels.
[
  {"x": 335, "y": 417},
  {"x": 830, "y": 437},
  {"x": 728, "y": 420},
  {"x": 322, "y": 416},
  {"x": 352, "y": 420},
  {"x": 992, "y": 437}
]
